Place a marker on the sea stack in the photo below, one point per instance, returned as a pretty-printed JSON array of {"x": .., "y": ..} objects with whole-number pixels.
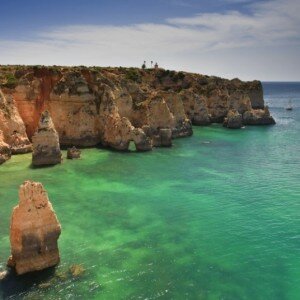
[
  {"x": 46, "y": 148},
  {"x": 34, "y": 231},
  {"x": 234, "y": 120}
]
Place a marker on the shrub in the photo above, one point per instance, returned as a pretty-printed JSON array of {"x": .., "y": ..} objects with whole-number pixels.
[
  {"x": 181, "y": 75},
  {"x": 133, "y": 75},
  {"x": 11, "y": 81}
]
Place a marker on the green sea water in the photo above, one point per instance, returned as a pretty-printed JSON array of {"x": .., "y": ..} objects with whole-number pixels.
[{"x": 215, "y": 217}]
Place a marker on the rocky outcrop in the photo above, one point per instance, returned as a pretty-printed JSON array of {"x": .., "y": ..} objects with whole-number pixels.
[
  {"x": 34, "y": 231},
  {"x": 73, "y": 153},
  {"x": 234, "y": 120},
  {"x": 114, "y": 106},
  {"x": 46, "y": 148},
  {"x": 119, "y": 132},
  {"x": 258, "y": 117}
]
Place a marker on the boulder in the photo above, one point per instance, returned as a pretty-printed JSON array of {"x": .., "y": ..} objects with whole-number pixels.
[
  {"x": 234, "y": 120},
  {"x": 73, "y": 153},
  {"x": 46, "y": 148},
  {"x": 34, "y": 231}
]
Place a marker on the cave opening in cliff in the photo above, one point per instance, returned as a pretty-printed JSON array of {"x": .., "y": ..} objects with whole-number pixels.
[{"x": 132, "y": 147}]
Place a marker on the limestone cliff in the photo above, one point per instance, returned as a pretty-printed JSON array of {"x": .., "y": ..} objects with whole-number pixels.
[
  {"x": 34, "y": 231},
  {"x": 114, "y": 106}
]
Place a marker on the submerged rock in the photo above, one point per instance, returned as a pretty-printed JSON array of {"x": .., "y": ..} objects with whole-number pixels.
[
  {"x": 46, "y": 148},
  {"x": 73, "y": 153},
  {"x": 234, "y": 120},
  {"x": 34, "y": 231},
  {"x": 76, "y": 270}
]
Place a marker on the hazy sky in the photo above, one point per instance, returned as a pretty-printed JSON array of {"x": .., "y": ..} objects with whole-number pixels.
[{"x": 229, "y": 38}]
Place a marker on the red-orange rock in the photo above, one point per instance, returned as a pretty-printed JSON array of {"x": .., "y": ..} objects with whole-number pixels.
[{"x": 34, "y": 231}]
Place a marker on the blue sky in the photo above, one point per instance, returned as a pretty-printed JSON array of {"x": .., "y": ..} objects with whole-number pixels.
[{"x": 230, "y": 38}]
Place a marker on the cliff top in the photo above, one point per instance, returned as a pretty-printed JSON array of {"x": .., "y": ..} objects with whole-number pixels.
[{"x": 156, "y": 78}]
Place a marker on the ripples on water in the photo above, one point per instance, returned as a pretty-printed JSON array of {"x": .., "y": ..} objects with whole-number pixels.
[{"x": 215, "y": 217}]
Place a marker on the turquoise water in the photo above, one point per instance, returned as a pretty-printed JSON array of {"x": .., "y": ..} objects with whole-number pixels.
[{"x": 215, "y": 217}]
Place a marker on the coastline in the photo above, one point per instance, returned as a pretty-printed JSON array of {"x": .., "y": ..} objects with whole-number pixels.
[{"x": 116, "y": 106}]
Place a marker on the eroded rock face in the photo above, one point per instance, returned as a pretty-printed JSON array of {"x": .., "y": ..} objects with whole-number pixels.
[
  {"x": 195, "y": 108},
  {"x": 34, "y": 231},
  {"x": 12, "y": 126},
  {"x": 46, "y": 148},
  {"x": 5, "y": 150},
  {"x": 182, "y": 124},
  {"x": 234, "y": 120}
]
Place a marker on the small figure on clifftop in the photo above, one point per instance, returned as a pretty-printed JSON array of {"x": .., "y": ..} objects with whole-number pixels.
[
  {"x": 156, "y": 66},
  {"x": 144, "y": 65}
]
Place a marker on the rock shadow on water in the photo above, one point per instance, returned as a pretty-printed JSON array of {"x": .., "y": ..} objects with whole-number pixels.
[
  {"x": 32, "y": 166},
  {"x": 13, "y": 285}
]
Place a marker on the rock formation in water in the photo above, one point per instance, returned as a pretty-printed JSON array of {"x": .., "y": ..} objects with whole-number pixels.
[
  {"x": 116, "y": 106},
  {"x": 258, "y": 117},
  {"x": 73, "y": 153},
  {"x": 34, "y": 231},
  {"x": 46, "y": 148},
  {"x": 233, "y": 120}
]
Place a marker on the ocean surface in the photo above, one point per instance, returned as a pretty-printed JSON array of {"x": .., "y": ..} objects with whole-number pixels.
[{"x": 215, "y": 217}]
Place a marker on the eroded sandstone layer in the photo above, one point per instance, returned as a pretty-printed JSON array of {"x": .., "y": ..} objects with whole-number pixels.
[
  {"x": 46, "y": 148},
  {"x": 34, "y": 231},
  {"x": 12, "y": 127},
  {"x": 116, "y": 106}
]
